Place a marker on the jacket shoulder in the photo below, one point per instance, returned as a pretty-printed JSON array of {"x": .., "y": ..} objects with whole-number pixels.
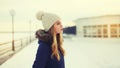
[{"x": 43, "y": 43}]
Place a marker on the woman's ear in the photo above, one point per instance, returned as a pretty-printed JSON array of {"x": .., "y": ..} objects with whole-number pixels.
[{"x": 51, "y": 30}]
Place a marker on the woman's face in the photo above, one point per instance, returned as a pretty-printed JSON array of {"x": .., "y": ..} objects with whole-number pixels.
[{"x": 58, "y": 27}]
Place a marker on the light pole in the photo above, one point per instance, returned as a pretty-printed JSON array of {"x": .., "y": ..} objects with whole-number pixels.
[{"x": 12, "y": 13}]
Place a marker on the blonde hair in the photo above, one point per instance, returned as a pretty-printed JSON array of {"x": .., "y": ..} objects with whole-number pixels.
[{"x": 56, "y": 44}]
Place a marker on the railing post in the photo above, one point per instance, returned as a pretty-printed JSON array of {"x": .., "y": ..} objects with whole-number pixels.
[
  {"x": 13, "y": 48},
  {"x": 21, "y": 43},
  {"x": 30, "y": 30}
]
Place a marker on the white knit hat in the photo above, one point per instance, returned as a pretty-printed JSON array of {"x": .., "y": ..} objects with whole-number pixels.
[{"x": 48, "y": 19}]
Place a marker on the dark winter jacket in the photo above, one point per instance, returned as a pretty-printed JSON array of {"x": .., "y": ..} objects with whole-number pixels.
[{"x": 43, "y": 57}]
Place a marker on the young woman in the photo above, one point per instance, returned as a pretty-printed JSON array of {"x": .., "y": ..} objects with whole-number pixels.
[{"x": 50, "y": 53}]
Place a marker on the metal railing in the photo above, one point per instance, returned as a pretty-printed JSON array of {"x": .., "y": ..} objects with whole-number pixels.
[{"x": 7, "y": 51}]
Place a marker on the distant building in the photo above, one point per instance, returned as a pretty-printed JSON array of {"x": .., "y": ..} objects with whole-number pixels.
[
  {"x": 70, "y": 30},
  {"x": 107, "y": 26}
]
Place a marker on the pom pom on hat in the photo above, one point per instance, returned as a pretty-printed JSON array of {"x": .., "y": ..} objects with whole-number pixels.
[
  {"x": 48, "y": 19},
  {"x": 39, "y": 15}
]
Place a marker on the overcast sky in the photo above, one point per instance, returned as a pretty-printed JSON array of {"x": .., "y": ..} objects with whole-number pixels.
[{"x": 68, "y": 10}]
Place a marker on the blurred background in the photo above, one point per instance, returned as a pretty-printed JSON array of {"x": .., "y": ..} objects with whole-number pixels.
[{"x": 91, "y": 32}]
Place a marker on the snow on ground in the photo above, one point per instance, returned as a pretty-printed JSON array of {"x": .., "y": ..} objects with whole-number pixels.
[
  {"x": 23, "y": 59},
  {"x": 92, "y": 53},
  {"x": 80, "y": 53}
]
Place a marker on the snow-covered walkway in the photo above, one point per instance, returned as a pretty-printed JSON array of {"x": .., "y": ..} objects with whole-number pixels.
[
  {"x": 80, "y": 53},
  {"x": 23, "y": 59}
]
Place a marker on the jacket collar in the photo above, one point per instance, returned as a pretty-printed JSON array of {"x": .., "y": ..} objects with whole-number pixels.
[{"x": 43, "y": 36}]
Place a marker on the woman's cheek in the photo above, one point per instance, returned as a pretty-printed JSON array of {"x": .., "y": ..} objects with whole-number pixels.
[{"x": 56, "y": 30}]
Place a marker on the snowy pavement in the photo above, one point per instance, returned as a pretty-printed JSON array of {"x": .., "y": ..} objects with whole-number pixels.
[
  {"x": 92, "y": 53},
  {"x": 23, "y": 59},
  {"x": 80, "y": 53}
]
